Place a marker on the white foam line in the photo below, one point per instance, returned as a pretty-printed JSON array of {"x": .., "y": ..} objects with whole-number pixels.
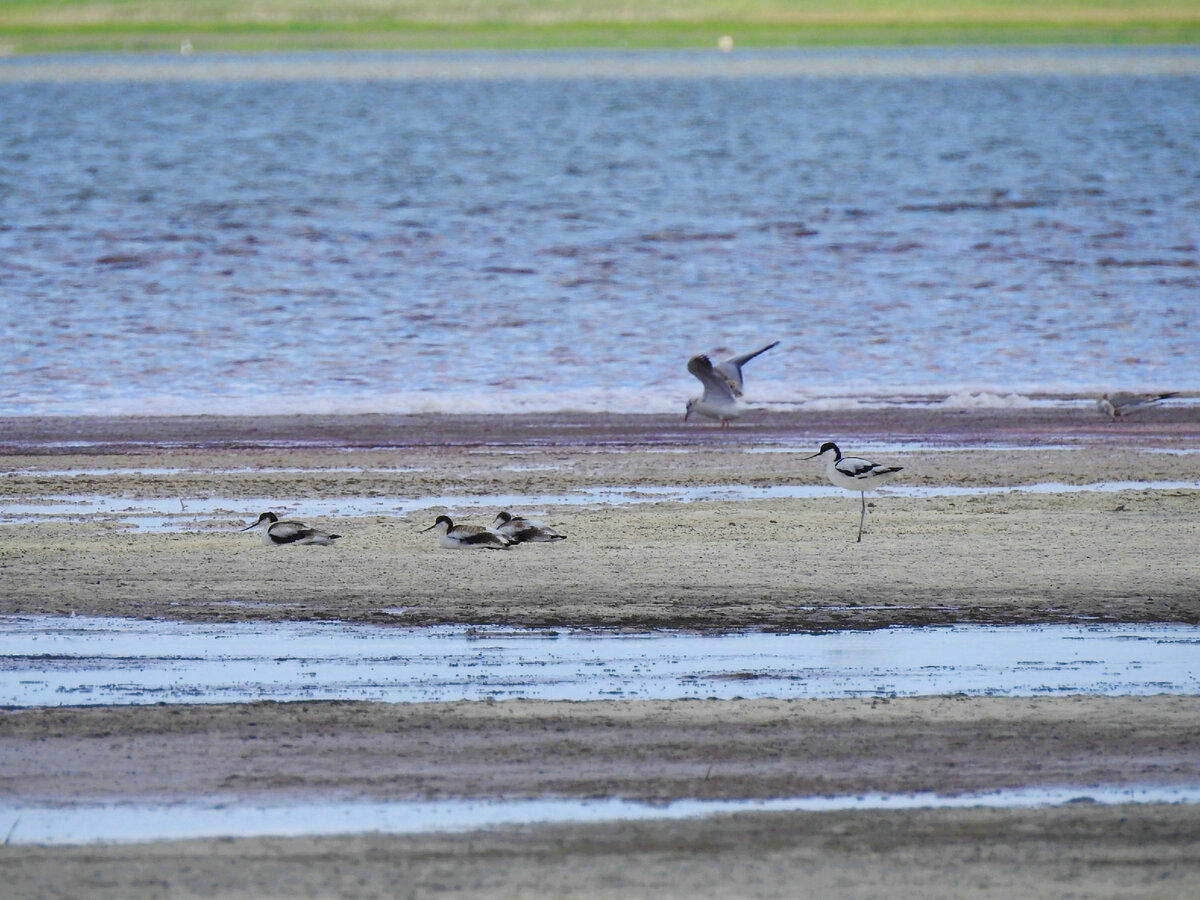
[{"x": 118, "y": 822}]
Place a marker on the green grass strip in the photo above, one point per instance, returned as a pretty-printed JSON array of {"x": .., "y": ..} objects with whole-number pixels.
[{"x": 497, "y": 36}]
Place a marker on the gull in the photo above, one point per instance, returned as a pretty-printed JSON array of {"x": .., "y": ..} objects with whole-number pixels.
[
  {"x": 1122, "y": 403},
  {"x": 468, "y": 537},
  {"x": 286, "y": 532},
  {"x": 719, "y": 400},
  {"x": 853, "y": 474},
  {"x": 520, "y": 529},
  {"x": 731, "y": 369}
]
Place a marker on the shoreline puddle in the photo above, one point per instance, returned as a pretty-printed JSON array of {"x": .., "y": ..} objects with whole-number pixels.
[
  {"x": 80, "y": 661},
  {"x": 178, "y": 514},
  {"x": 115, "y": 823}
]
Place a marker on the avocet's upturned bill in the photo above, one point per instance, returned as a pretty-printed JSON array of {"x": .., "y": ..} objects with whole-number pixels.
[
  {"x": 718, "y": 401},
  {"x": 279, "y": 532},
  {"x": 854, "y": 474},
  {"x": 521, "y": 530},
  {"x": 731, "y": 369},
  {"x": 468, "y": 537},
  {"x": 1122, "y": 403}
]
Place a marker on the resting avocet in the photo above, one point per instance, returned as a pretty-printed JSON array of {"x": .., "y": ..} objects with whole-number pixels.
[
  {"x": 468, "y": 537},
  {"x": 288, "y": 532},
  {"x": 731, "y": 368},
  {"x": 1122, "y": 403},
  {"x": 520, "y": 529},
  {"x": 718, "y": 401},
  {"x": 853, "y": 474}
]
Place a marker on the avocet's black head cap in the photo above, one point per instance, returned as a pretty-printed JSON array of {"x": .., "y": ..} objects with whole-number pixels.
[{"x": 825, "y": 448}]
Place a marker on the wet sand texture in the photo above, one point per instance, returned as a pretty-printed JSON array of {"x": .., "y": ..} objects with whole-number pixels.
[
  {"x": 1010, "y": 557},
  {"x": 1000, "y": 558},
  {"x": 1079, "y": 850},
  {"x": 636, "y": 750},
  {"x": 629, "y": 749}
]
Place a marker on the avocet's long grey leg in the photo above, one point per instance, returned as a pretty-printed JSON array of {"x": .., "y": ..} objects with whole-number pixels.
[{"x": 853, "y": 474}]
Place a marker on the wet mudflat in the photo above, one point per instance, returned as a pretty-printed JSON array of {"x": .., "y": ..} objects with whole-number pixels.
[
  {"x": 1082, "y": 559},
  {"x": 1076, "y": 850},
  {"x": 217, "y": 817},
  {"x": 217, "y": 513},
  {"x": 683, "y": 528},
  {"x": 324, "y": 759},
  {"x": 340, "y": 751}
]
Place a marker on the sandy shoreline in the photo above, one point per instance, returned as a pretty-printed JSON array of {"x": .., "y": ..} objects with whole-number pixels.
[
  {"x": 760, "y": 563},
  {"x": 1019, "y": 557},
  {"x": 648, "y": 751},
  {"x": 997, "y": 560},
  {"x": 640, "y": 750},
  {"x": 1065, "y": 852},
  {"x": 928, "y": 421}
]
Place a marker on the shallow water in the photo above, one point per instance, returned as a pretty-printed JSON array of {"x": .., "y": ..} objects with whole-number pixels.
[
  {"x": 128, "y": 822},
  {"x": 174, "y": 514},
  {"x": 562, "y": 231},
  {"x": 54, "y": 661}
]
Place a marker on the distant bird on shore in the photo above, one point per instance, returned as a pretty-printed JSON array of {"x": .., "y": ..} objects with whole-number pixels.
[
  {"x": 731, "y": 368},
  {"x": 279, "y": 532},
  {"x": 1122, "y": 403},
  {"x": 468, "y": 537},
  {"x": 521, "y": 530},
  {"x": 719, "y": 400},
  {"x": 853, "y": 474}
]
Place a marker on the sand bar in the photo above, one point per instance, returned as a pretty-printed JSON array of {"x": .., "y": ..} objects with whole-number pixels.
[
  {"x": 760, "y": 563},
  {"x": 1018, "y": 557},
  {"x": 648, "y": 751}
]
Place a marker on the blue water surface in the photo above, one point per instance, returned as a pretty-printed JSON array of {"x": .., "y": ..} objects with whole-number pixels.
[{"x": 505, "y": 233}]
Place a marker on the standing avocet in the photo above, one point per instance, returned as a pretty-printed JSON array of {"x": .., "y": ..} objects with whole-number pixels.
[
  {"x": 1122, "y": 403},
  {"x": 718, "y": 401},
  {"x": 287, "y": 532},
  {"x": 853, "y": 474},
  {"x": 468, "y": 537}
]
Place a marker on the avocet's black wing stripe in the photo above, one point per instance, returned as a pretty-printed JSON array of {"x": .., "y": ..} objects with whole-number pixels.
[
  {"x": 854, "y": 467},
  {"x": 482, "y": 537},
  {"x": 289, "y": 532}
]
